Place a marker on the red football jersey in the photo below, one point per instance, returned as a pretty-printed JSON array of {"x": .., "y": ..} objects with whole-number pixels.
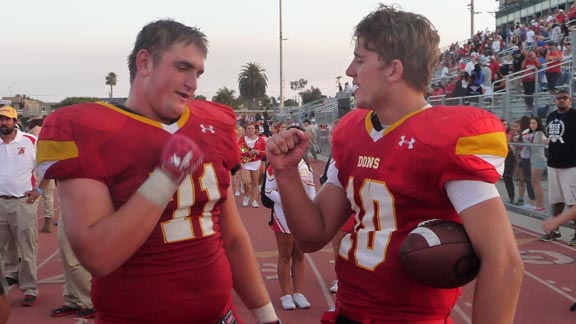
[
  {"x": 181, "y": 273},
  {"x": 394, "y": 180}
]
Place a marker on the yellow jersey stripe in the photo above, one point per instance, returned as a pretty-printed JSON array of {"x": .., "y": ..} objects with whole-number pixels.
[
  {"x": 56, "y": 151},
  {"x": 484, "y": 144},
  {"x": 181, "y": 121}
]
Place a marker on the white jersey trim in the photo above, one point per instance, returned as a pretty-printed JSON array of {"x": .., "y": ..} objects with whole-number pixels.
[{"x": 467, "y": 193}]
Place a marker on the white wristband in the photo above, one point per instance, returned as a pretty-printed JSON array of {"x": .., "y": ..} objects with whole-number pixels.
[
  {"x": 158, "y": 188},
  {"x": 265, "y": 314}
]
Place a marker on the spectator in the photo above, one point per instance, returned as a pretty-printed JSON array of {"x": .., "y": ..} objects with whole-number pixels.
[
  {"x": 509, "y": 163},
  {"x": 537, "y": 137},
  {"x": 445, "y": 74},
  {"x": 450, "y": 88},
  {"x": 487, "y": 84},
  {"x": 553, "y": 62},
  {"x": 393, "y": 186},
  {"x": 556, "y": 34},
  {"x": 561, "y": 131},
  {"x": 77, "y": 279},
  {"x": 542, "y": 80},
  {"x": 530, "y": 65},
  {"x": 18, "y": 200},
  {"x": 48, "y": 193},
  {"x": 499, "y": 82},
  {"x": 524, "y": 167},
  {"x": 473, "y": 90}
]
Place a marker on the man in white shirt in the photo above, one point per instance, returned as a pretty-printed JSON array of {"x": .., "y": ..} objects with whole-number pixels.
[{"x": 19, "y": 193}]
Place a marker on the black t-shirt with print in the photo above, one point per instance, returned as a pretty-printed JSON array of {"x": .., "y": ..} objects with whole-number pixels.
[{"x": 561, "y": 130}]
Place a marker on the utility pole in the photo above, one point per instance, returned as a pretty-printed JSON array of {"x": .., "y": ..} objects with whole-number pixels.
[
  {"x": 281, "y": 65},
  {"x": 472, "y": 19}
]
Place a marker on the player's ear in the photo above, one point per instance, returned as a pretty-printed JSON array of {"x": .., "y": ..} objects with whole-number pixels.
[
  {"x": 396, "y": 70},
  {"x": 144, "y": 62}
]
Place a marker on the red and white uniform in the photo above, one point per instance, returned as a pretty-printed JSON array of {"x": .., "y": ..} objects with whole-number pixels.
[
  {"x": 250, "y": 161},
  {"x": 395, "y": 179},
  {"x": 279, "y": 223},
  {"x": 181, "y": 273}
]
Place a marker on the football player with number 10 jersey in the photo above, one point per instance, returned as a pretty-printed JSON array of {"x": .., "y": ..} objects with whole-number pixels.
[{"x": 396, "y": 163}]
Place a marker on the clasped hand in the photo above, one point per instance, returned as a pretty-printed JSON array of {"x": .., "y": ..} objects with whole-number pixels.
[{"x": 287, "y": 148}]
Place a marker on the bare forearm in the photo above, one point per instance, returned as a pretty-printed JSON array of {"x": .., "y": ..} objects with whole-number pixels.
[
  {"x": 496, "y": 294},
  {"x": 246, "y": 274},
  {"x": 108, "y": 243}
]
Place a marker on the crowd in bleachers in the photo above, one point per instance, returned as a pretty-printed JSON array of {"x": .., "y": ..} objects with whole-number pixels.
[{"x": 480, "y": 65}]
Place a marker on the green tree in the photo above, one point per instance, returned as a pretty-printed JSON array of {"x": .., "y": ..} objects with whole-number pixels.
[
  {"x": 252, "y": 82},
  {"x": 311, "y": 94},
  {"x": 290, "y": 103},
  {"x": 74, "y": 100},
  {"x": 226, "y": 96},
  {"x": 267, "y": 102},
  {"x": 298, "y": 85},
  {"x": 199, "y": 97},
  {"x": 111, "y": 80}
]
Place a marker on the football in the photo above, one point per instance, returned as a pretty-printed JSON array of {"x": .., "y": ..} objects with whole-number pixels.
[{"x": 438, "y": 253}]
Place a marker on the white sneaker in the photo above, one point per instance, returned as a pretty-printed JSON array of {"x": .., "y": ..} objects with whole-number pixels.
[
  {"x": 255, "y": 204},
  {"x": 300, "y": 301},
  {"x": 237, "y": 194},
  {"x": 334, "y": 286},
  {"x": 287, "y": 302},
  {"x": 245, "y": 201}
]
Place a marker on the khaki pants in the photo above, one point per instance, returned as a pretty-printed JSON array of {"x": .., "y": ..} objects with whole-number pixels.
[
  {"x": 48, "y": 200},
  {"x": 12, "y": 259},
  {"x": 76, "y": 278},
  {"x": 18, "y": 220}
]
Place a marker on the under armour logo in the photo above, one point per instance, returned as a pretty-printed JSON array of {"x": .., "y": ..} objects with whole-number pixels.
[
  {"x": 205, "y": 129},
  {"x": 181, "y": 163},
  {"x": 404, "y": 141}
]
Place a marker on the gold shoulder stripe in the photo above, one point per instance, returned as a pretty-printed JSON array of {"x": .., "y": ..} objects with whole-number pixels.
[
  {"x": 56, "y": 151},
  {"x": 484, "y": 144}
]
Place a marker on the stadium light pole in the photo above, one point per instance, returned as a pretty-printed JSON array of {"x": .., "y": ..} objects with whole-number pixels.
[
  {"x": 471, "y": 19},
  {"x": 281, "y": 65}
]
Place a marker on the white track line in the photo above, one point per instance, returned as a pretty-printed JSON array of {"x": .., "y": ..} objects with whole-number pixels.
[
  {"x": 320, "y": 279},
  {"x": 542, "y": 281},
  {"x": 462, "y": 314}
]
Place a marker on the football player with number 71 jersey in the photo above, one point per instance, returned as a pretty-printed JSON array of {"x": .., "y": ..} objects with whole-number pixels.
[
  {"x": 396, "y": 163},
  {"x": 145, "y": 193}
]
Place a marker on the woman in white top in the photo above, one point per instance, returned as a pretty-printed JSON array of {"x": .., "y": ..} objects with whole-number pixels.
[{"x": 290, "y": 257}]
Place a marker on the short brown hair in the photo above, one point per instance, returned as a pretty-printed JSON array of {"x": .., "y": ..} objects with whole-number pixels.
[
  {"x": 158, "y": 36},
  {"x": 405, "y": 36}
]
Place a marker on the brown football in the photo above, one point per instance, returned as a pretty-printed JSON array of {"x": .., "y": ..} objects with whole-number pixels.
[{"x": 438, "y": 253}]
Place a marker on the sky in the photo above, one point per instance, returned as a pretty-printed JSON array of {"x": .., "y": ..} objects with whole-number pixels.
[{"x": 56, "y": 49}]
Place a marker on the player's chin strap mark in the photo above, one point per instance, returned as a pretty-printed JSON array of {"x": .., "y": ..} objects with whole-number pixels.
[{"x": 431, "y": 238}]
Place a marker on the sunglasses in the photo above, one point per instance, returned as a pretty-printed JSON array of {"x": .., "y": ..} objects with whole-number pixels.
[{"x": 562, "y": 98}]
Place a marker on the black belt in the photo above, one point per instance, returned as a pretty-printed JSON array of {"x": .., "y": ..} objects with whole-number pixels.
[{"x": 10, "y": 197}]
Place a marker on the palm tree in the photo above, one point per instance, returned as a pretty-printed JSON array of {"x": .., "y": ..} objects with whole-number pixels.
[
  {"x": 111, "y": 80},
  {"x": 252, "y": 82}
]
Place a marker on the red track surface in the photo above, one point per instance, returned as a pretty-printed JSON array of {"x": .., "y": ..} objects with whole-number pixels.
[{"x": 549, "y": 286}]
